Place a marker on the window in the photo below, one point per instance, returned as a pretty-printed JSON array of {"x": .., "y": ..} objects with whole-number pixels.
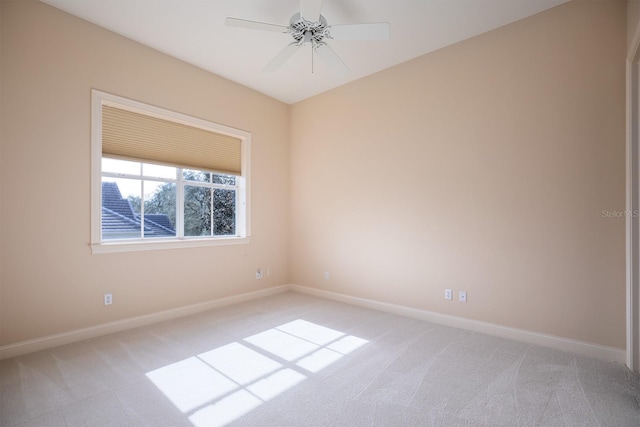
[
  {"x": 163, "y": 180},
  {"x": 148, "y": 201}
]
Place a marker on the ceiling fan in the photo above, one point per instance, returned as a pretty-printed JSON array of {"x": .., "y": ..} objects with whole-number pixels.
[{"x": 309, "y": 27}]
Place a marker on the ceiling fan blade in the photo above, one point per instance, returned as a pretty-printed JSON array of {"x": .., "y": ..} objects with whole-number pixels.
[
  {"x": 330, "y": 58},
  {"x": 254, "y": 25},
  {"x": 281, "y": 57},
  {"x": 310, "y": 10},
  {"x": 372, "y": 31}
]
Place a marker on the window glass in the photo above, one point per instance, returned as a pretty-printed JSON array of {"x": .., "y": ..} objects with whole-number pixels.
[
  {"x": 120, "y": 166},
  {"x": 194, "y": 175},
  {"x": 158, "y": 171},
  {"x": 224, "y": 207},
  {"x": 197, "y": 211},
  {"x": 120, "y": 208},
  {"x": 159, "y": 209},
  {"x": 224, "y": 179}
]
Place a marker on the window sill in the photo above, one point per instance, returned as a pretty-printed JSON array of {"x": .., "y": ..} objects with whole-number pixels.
[{"x": 154, "y": 245}]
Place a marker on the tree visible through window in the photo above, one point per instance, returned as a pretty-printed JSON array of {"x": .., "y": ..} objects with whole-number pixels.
[{"x": 144, "y": 201}]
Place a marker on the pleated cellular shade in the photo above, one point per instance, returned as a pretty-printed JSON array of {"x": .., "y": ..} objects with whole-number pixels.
[{"x": 146, "y": 138}]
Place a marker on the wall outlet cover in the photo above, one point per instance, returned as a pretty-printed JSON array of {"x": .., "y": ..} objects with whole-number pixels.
[{"x": 462, "y": 296}]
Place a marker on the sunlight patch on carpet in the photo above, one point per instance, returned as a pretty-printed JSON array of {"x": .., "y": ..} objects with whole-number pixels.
[{"x": 219, "y": 386}]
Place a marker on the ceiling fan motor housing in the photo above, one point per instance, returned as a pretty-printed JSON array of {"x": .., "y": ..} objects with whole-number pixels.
[{"x": 304, "y": 31}]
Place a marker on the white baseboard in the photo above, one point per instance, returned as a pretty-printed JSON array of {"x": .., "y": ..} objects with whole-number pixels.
[
  {"x": 552, "y": 341},
  {"x": 30, "y": 346}
]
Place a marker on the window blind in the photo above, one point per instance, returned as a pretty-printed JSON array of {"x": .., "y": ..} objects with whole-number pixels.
[{"x": 146, "y": 138}]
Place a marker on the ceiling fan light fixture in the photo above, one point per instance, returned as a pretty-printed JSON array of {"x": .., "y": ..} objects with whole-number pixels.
[{"x": 300, "y": 27}]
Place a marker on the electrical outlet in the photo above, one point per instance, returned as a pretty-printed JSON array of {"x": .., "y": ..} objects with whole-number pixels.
[
  {"x": 448, "y": 294},
  {"x": 259, "y": 273},
  {"x": 326, "y": 275},
  {"x": 462, "y": 296},
  {"x": 269, "y": 272},
  {"x": 108, "y": 299}
]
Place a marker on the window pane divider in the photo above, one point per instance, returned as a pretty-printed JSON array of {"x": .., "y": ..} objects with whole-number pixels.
[{"x": 180, "y": 207}]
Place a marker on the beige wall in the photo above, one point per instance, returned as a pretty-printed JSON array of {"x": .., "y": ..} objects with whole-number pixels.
[
  {"x": 49, "y": 281},
  {"x": 482, "y": 167}
]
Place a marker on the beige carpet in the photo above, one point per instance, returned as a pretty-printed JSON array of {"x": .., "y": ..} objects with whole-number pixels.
[{"x": 296, "y": 360}]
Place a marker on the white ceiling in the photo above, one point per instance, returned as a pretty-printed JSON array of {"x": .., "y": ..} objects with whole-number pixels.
[{"x": 194, "y": 31}]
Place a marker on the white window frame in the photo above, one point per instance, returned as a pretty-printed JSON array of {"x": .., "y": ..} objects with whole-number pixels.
[{"x": 243, "y": 222}]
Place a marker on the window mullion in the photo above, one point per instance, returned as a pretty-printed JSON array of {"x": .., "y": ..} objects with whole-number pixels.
[
  {"x": 141, "y": 205},
  {"x": 120, "y": 175},
  {"x": 180, "y": 206},
  {"x": 211, "y": 185},
  {"x": 237, "y": 202}
]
